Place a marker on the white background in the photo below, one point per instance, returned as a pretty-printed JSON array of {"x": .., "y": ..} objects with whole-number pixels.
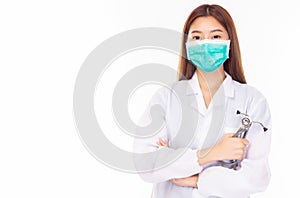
[{"x": 44, "y": 43}]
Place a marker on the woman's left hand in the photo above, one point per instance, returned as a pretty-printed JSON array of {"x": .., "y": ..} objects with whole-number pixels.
[{"x": 187, "y": 181}]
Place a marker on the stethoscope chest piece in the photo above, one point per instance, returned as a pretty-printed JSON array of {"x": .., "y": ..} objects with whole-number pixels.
[{"x": 246, "y": 122}]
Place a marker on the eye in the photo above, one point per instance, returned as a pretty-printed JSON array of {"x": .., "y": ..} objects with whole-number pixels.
[
  {"x": 216, "y": 37},
  {"x": 196, "y": 37}
]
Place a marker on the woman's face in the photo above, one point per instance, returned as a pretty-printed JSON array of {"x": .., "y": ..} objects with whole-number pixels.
[{"x": 207, "y": 28}]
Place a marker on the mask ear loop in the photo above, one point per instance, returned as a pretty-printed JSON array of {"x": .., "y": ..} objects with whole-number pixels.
[{"x": 229, "y": 48}]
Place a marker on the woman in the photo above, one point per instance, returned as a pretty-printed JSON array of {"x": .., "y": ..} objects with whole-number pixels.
[{"x": 211, "y": 65}]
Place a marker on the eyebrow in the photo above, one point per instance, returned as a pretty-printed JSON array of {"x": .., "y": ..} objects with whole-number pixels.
[{"x": 215, "y": 30}]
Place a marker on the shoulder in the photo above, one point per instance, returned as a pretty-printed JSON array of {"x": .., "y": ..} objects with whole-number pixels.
[
  {"x": 252, "y": 101},
  {"x": 251, "y": 92},
  {"x": 165, "y": 93}
]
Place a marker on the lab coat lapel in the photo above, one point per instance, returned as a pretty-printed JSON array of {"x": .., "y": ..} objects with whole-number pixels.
[
  {"x": 215, "y": 114},
  {"x": 194, "y": 90}
]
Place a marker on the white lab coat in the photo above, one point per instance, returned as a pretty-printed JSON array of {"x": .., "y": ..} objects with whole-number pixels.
[{"x": 214, "y": 181}]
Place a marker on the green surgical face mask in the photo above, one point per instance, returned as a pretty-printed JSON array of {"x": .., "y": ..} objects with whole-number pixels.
[{"x": 208, "y": 55}]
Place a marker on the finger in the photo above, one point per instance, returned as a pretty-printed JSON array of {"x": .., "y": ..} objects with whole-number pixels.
[
  {"x": 245, "y": 142},
  {"x": 241, "y": 141},
  {"x": 238, "y": 142},
  {"x": 159, "y": 142},
  {"x": 175, "y": 181},
  {"x": 178, "y": 181},
  {"x": 163, "y": 142},
  {"x": 228, "y": 134},
  {"x": 239, "y": 154}
]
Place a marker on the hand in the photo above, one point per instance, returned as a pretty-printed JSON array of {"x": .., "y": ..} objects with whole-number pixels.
[
  {"x": 187, "y": 181},
  {"x": 162, "y": 142},
  {"x": 229, "y": 148}
]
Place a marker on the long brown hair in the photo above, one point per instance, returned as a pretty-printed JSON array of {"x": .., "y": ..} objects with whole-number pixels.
[{"x": 233, "y": 65}]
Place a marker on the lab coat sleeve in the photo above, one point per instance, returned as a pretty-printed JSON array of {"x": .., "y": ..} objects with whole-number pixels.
[
  {"x": 157, "y": 164},
  {"x": 254, "y": 174}
]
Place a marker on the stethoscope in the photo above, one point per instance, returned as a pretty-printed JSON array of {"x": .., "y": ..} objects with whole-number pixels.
[{"x": 241, "y": 133}]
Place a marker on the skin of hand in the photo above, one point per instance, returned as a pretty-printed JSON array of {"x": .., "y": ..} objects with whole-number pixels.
[
  {"x": 229, "y": 148},
  {"x": 162, "y": 142},
  {"x": 187, "y": 181}
]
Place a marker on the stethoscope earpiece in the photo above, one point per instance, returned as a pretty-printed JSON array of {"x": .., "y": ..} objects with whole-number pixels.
[{"x": 246, "y": 121}]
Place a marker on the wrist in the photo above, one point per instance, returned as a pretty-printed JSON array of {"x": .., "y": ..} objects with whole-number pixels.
[
  {"x": 195, "y": 181},
  {"x": 206, "y": 156}
]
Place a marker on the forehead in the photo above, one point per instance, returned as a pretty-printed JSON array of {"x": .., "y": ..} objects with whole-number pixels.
[{"x": 206, "y": 24}]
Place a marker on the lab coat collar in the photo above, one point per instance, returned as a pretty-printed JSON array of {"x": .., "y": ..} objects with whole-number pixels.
[{"x": 195, "y": 88}]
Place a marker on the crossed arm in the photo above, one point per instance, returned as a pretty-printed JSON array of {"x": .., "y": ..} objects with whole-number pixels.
[{"x": 228, "y": 148}]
